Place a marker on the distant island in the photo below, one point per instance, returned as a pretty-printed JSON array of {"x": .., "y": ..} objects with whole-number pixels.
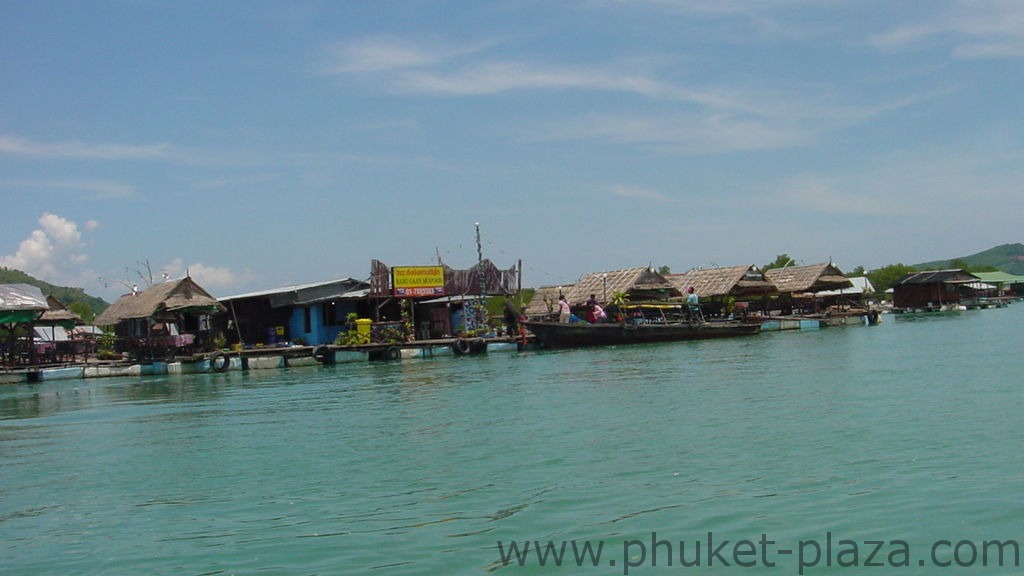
[{"x": 1007, "y": 258}]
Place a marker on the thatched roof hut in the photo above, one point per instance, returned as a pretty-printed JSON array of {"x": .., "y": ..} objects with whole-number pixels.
[
  {"x": 813, "y": 278},
  {"x": 58, "y": 314},
  {"x": 741, "y": 282},
  {"x": 177, "y": 296},
  {"x": 544, "y": 301},
  {"x": 640, "y": 283}
]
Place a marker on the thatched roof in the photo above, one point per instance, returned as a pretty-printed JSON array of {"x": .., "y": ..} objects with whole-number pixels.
[
  {"x": 813, "y": 278},
  {"x": 544, "y": 301},
  {"x": 59, "y": 313},
  {"x": 734, "y": 281},
  {"x": 640, "y": 283},
  {"x": 175, "y": 296}
]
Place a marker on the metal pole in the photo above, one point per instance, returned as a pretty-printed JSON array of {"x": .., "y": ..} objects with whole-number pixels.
[{"x": 480, "y": 271}]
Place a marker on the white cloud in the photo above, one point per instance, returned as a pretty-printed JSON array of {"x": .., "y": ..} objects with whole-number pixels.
[
  {"x": 974, "y": 29},
  {"x": 54, "y": 252},
  {"x": 385, "y": 54},
  {"x": 74, "y": 149},
  {"x": 639, "y": 193},
  {"x": 715, "y": 119},
  {"x": 212, "y": 278},
  {"x": 375, "y": 55},
  {"x": 94, "y": 189},
  {"x": 818, "y": 194},
  {"x": 689, "y": 133}
]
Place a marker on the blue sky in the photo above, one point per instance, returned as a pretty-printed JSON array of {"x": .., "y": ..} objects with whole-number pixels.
[{"x": 259, "y": 144}]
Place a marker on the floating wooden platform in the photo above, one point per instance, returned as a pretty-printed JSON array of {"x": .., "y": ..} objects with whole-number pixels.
[{"x": 264, "y": 358}]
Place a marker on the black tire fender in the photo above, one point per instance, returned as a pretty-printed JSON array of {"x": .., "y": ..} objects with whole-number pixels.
[
  {"x": 219, "y": 362},
  {"x": 461, "y": 346},
  {"x": 323, "y": 354}
]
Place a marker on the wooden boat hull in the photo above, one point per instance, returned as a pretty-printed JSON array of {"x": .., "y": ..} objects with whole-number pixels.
[{"x": 556, "y": 335}]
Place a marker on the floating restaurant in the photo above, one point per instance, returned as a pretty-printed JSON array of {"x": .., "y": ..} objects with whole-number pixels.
[{"x": 415, "y": 312}]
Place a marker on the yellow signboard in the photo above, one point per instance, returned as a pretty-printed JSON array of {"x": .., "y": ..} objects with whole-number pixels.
[{"x": 410, "y": 281}]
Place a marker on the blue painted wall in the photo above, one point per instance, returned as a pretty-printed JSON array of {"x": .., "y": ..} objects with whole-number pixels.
[{"x": 319, "y": 333}]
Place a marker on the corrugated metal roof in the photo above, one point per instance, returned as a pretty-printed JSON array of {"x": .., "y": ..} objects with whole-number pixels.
[
  {"x": 294, "y": 288},
  {"x": 22, "y": 297},
  {"x": 999, "y": 277},
  {"x": 954, "y": 276}
]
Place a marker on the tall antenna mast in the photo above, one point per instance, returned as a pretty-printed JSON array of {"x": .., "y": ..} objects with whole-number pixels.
[{"x": 479, "y": 260}]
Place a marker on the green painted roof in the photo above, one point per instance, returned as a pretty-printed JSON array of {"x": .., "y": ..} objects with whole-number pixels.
[{"x": 999, "y": 278}]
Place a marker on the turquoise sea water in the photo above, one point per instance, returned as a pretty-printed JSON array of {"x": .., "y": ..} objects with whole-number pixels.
[{"x": 911, "y": 432}]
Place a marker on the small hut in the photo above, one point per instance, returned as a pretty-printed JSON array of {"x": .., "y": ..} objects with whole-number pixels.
[
  {"x": 932, "y": 290},
  {"x": 163, "y": 319},
  {"x": 722, "y": 290},
  {"x": 55, "y": 334},
  {"x": 798, "y": 285}
]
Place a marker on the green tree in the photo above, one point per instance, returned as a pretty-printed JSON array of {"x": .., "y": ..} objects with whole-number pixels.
[
  {"x": 664, "y": 270},
  {"x": 885, "y": 277},
  {"x": 781, "y": 261},
  {"x": 83, "y": 310}
]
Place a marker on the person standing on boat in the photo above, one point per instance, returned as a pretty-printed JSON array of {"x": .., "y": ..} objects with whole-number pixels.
[
  {"x": 563, "y": 310},
  {"x": 599, "y": 314},
  {"x": 691, "y": 297},
  {"x": 693, "y": 302},
  {"x": 592, "y": 309}
]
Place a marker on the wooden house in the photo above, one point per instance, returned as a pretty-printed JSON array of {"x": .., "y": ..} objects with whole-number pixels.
[
  {"x": 932, "y": 290},
  {"x": 311, "y": 314},
  {"x": 722, "y": 289},
  {"x": 163, "y": 319}
]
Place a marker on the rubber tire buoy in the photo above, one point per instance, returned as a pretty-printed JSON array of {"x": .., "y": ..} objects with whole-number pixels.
[
  {"x": 461, "y": 346},
  {"x": 219, "y": 362}
]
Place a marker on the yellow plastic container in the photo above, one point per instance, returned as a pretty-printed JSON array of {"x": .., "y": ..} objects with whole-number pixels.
[{"x": 363, "y": 327}]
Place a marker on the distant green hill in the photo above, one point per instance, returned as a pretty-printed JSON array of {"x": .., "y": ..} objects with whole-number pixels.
[
  {"x": 66, "y": 295},
  {"x": 1008, "y": 258}
]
